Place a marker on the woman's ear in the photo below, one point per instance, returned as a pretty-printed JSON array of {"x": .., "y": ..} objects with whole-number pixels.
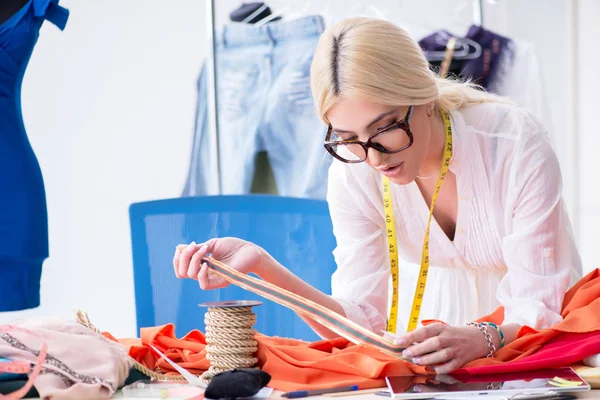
[{"x": 430, "y": 108}]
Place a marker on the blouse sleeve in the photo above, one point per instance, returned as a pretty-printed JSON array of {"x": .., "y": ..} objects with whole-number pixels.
[
  {"x": 360, "y": 283},
  {"x": 539, "y": 249}
]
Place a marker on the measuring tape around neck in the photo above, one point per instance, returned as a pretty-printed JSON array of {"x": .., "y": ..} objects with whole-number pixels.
[{"x": 390, "y": 225}]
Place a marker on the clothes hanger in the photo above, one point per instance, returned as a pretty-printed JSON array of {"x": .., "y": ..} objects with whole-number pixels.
[
  {"x": 461, "y": 52},
  {"x": 254, "y": 14},
  {"x": 272, "y": 16}
]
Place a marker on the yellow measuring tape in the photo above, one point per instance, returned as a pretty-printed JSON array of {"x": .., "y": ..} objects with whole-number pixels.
[{"x": 392, "y": 243}]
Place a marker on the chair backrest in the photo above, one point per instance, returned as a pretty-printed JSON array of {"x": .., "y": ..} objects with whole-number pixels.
[{"x": 296, "y": 232}]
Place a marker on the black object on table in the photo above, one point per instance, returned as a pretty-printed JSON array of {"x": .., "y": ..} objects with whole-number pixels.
[{"x": 237, "y": 383}]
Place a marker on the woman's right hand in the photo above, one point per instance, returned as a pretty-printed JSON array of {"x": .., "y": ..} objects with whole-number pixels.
[{"x": 239, "y": 254}]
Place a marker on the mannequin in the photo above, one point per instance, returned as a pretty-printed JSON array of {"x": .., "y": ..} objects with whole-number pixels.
[{"x": 23, "y": 213}]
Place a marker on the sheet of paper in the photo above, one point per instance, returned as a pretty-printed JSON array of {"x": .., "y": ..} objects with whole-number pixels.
[{"x": 191, "y": 378}]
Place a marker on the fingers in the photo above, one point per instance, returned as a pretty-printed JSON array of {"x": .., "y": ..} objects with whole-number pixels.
[
  {"x": 448, "y": 367},
  {"x": 420, "y": 334},
  {"x": 208, "y": 280},
  {"x": 437, "y": 357},
  {"x": 196, "y": 262},
  {"x": 184, "y": 258},
  {"x": 188, "y": 258},
  {"x": 428, "y": 346},
  {"x": 176, "y": 262},
  {"x": 211, "y": 246},
  {"x": 194, "y": 267},
  {"x": 440, "y": 346},
  {"x": 187, "y": 263},
  {"x": 203, "y": 279}
]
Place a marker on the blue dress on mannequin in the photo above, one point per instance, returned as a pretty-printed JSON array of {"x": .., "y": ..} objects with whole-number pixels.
[{"x": 23, "y": 213}]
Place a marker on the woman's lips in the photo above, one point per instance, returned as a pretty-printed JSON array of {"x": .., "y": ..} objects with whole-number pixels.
[{"x": 393, "y": 171}]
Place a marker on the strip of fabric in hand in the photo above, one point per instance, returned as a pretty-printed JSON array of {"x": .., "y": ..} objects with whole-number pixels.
[{"x": 330, "y": 319}]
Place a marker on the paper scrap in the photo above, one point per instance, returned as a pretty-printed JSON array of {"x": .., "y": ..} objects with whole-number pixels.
[{"x": 191, "y": 378}]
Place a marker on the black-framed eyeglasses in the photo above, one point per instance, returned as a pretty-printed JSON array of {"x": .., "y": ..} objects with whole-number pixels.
[{"x": 355, "y": 151}]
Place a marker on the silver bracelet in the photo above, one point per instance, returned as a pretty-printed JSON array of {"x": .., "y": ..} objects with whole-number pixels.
[{"x": 488, "y": 337}]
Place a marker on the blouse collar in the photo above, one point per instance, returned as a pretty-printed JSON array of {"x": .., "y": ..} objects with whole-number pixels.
[{"x": 458, "y": 127}]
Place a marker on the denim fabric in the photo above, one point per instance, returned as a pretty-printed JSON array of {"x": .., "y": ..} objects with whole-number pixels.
[{"x": 264, "y": 104}]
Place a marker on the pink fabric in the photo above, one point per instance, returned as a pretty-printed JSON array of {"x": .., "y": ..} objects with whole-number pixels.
[
  {"x": 22, "y": 367},
  {"x": 80, "y": 364}
]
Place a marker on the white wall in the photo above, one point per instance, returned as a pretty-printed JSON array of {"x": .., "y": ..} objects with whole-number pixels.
[
  {"x": 109, "y": 107},
  {"x": 587, "y": 104}
]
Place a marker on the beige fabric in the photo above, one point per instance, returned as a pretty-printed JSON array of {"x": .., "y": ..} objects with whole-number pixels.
[{"x": 81, "y": 364}]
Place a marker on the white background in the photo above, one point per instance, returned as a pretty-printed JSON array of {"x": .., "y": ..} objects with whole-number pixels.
[{"x": 109, "y": 108}]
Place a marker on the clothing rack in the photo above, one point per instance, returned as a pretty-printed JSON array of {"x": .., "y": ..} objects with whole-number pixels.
[
  {"x": 211, "y": 73},
  {"x": 478, "y": 12},
  {"x": 213, "y": 120}
]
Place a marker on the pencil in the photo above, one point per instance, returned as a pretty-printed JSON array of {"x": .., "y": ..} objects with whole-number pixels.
[
  {"x": 305, "y": 393},
  {"x": 356, "y": 392}
]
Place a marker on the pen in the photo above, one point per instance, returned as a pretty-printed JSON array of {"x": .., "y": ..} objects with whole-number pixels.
[
  {"x": 356, "y": 393},
  {"x": 305, "y": 393}
]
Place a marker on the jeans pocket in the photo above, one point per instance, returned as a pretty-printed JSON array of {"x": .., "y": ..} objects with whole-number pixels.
[
  {"x": 237, "y": 84},
  {"x": 298, "y": 94}
]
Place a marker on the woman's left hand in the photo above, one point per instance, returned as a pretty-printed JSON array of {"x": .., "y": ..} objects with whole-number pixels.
[{"x": 447, "y": 347}]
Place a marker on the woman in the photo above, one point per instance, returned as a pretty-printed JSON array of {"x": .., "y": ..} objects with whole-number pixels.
[{"x": 499, "y": 235}]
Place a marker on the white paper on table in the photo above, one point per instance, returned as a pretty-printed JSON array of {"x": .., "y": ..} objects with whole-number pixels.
[
  {"x": 191, "y": 378},
  {"x": 263, "y": 393}
]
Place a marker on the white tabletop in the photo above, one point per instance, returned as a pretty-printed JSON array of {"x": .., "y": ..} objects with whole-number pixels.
[{"x": 594, "y": 394}]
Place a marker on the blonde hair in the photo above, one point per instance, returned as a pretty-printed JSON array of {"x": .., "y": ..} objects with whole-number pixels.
[{"x": 377, "y": 61}]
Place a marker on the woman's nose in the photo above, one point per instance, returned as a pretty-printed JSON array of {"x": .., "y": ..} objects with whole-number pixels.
[{"x": 375, "y": 157}]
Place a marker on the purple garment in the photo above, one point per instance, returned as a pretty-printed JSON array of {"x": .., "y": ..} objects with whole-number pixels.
[{"x": 484, "y": 70}]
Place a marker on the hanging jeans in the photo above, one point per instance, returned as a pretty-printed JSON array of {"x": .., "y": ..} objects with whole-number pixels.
[
  {"x": 23, "y": 214},
  {"x": 264, "y": 104}
]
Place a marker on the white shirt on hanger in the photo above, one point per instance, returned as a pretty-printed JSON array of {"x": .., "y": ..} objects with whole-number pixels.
[
  {"x": 521, "y": 80},
  {"x": 513, "y": 245}
]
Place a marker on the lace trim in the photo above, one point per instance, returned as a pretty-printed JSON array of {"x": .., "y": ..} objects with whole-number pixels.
[{"x": 60, "y": 367}]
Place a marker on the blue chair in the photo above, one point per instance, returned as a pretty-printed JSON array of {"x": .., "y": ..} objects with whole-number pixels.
[{"x": 296, "y": 232}]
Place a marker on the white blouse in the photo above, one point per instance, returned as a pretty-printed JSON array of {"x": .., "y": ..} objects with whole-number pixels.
[{"x": 513, "y": 244}]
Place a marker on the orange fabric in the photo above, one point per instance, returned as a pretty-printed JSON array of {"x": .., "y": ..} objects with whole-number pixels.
[
  {"x": 291, "y": 363},
  {"x": 189, "y": 351},
  {"x": 294, "y": 364},
  {"x": 580, "y": 312}
]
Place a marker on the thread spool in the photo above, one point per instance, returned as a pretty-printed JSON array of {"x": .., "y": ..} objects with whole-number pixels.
[{"x": 229, "y": 336}]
